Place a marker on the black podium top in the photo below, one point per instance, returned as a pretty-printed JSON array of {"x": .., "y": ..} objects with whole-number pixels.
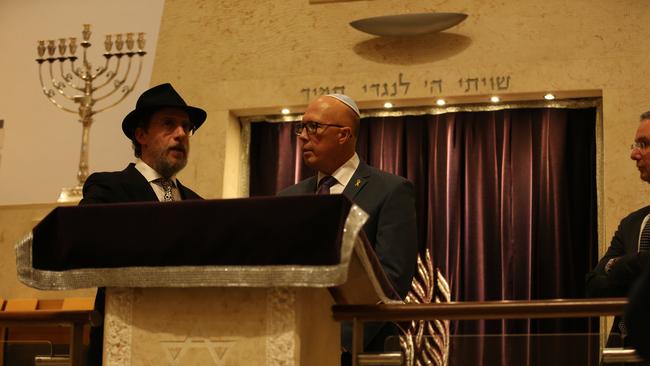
[{"x": 242, "y": 232}]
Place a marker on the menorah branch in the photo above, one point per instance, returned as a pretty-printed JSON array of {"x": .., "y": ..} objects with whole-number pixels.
[
  {"x": 49, "y": 93},
  {"x": 126, "y": 90},
  {"x": 58, "y": 85},
  {"x": 67, "y": 78},
  {"x": 110, "y": 75}
]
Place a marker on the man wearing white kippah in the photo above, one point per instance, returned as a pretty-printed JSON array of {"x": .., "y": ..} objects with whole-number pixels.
[{"x": 328, "y": 133}]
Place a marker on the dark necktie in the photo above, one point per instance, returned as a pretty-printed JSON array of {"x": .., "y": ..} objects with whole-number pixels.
[
  {"x": 325, "y": 184},
  {"x": 644, "y": 242},
  {"x": 167, "y": 186}
]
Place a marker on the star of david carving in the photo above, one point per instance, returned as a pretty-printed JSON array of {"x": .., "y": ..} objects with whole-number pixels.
[{"x": 217, "y": 347}]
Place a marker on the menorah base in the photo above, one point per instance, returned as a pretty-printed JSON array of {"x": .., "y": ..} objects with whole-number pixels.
[{"x": 73, "y": 194}]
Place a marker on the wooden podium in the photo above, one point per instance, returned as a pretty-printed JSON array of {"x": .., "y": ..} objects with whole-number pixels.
[{"x": 215, "y": 282}]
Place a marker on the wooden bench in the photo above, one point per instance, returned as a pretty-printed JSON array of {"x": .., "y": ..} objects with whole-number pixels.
[{"x": 74, "y": 313}]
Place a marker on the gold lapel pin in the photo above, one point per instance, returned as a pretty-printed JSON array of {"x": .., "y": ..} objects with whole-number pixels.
[{"x": 357, "y": 183}]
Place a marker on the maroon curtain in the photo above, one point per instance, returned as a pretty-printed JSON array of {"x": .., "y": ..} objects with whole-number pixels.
[{"x": 506, "y": 201}]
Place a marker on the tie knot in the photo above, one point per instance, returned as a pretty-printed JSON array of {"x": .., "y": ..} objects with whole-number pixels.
[
  {"x": 325, "y": 184},
  {"x": 165, "y": 182}
]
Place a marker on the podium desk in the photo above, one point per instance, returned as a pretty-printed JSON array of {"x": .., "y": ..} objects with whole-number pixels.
[{"x": 214, "y": 282}]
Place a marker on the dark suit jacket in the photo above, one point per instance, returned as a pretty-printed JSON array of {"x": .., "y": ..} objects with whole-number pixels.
[
  {"x": 637, "y": 315},
  {"x": 127, "y": 185},
  {"x": 623, "y": 244},
  {"x": 391, "y": 227}
]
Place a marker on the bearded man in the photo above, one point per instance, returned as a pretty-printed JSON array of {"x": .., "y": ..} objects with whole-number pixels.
[{"x": 160, "y": 128}]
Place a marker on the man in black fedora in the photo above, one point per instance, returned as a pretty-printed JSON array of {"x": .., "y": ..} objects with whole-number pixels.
[{"x": 160, "y": 127}]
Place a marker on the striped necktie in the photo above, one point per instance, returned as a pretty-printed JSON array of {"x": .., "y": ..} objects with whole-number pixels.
[{"x": 644, "y": 241}]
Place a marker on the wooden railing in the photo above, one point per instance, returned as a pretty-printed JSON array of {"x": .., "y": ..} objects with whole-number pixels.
[
  {"x": 575, "y": 308},
  {"x": 74, "y": 313},
  {"x": 514, "y": 309}
]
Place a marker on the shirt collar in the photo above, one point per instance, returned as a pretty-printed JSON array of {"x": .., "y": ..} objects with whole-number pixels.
[
  {"x": 149, "y": 173},
  {"x": 344, "y": 173}
]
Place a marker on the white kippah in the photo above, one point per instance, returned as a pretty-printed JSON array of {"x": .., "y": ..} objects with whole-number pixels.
[{"x": 347, "y": 101}]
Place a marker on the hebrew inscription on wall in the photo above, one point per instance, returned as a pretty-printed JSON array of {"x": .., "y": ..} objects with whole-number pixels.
[{"x": 403, "y": 86}]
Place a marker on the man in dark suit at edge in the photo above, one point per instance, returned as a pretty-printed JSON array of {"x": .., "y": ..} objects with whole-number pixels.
[
  {"x": 328, "y": 134},
  {"x": 160, "y": 128},
  {"x": 627, "y": 254}
]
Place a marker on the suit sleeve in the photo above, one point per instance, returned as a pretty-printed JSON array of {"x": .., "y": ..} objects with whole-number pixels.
[
  {"x": 598, "y": 283},
  {"x": 97, "y": 190},
  {"x": 396, "y": 242}
]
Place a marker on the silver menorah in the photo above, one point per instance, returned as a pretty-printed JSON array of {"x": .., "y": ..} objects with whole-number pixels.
[{"x": 83, "y": 94}]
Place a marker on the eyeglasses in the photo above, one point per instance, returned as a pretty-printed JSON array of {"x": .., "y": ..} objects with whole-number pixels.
[
  {"x": 170, "y": 125},
  {"x": 312, "y": 127},
  {"x": 641, "y": 145}
]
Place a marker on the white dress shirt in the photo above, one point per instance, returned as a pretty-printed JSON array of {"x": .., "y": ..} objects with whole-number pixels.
[{"x": 343, "y": 174}]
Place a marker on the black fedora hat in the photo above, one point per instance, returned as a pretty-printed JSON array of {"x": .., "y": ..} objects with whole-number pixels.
[{"x": 158, "y": 97}]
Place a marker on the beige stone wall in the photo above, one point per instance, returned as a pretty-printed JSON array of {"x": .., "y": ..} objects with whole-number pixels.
[{"x": 251, "y": 57}]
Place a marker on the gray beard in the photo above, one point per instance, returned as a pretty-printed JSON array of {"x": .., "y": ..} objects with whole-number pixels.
[{"x": 167, "y": 170}]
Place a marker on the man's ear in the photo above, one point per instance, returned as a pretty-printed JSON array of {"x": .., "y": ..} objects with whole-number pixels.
[
  {"x": 139, "y": 135},
  {"x": 345, "y": 133}
]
